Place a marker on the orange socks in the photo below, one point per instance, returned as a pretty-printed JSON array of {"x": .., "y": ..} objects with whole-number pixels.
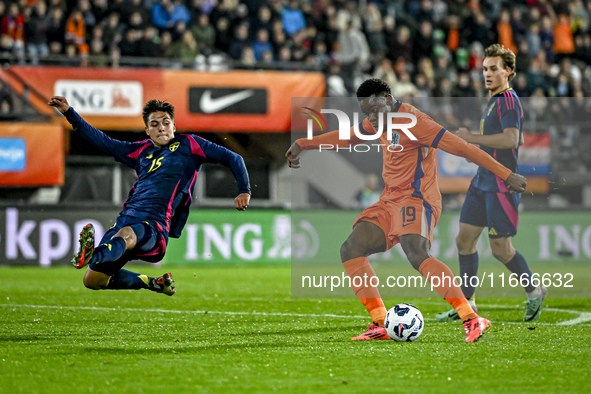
[
  {"x": 370, "y": 296},
  {"x": 431, "y": 268}
]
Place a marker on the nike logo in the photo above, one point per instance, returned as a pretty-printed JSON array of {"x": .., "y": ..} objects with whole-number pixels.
[
  {"x": 211, "y": 105},
  {"x": 407, "y": 224}
]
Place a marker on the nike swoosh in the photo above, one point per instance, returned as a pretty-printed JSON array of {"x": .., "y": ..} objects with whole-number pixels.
[
  {"x": 407, "y": 224},
  {"x": 210, "y": 105}
]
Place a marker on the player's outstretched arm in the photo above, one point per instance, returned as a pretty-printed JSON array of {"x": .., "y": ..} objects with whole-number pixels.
[
  {"x": 508, "y": 139},
  {"x": 450, "y": 143},
  {"x": 118, "y": 149}
]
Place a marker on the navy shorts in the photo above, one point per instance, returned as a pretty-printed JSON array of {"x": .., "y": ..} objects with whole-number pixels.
[
  {"x": 495, "y": 210},
  {"x": 150, "y": 246}
]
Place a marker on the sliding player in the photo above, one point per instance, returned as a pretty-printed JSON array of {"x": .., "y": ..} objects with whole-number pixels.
[{"x": 158, "y": 204}]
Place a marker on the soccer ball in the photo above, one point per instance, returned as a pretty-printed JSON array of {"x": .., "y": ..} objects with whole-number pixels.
[{"x": 404, "y": 323}]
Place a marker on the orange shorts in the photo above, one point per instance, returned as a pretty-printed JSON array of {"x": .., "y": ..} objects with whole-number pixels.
[{"x": 401, "y": 216}]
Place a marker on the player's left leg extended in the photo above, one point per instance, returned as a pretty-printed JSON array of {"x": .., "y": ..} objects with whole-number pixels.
[
  {"x": 416, "y": 248},
  {"x": 503, "y": 218},
  {"x": 504, "y": 251}
]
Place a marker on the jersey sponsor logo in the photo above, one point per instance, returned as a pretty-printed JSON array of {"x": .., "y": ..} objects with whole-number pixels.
[
  {"x": 174, "y": 146},
  {"x": 227, "y": 101},
  {"x": 108, "y": 98}
]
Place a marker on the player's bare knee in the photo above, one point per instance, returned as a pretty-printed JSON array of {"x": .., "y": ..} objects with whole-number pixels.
[
  {"x": 349, "y": 250},
  {"x": 502, "y": 251},
  {"x": 465, "y": 244},
  {"x": 95, "y": 281},
  {"x": 128, "y": 236},
  {"x": 90, "y": 284}
]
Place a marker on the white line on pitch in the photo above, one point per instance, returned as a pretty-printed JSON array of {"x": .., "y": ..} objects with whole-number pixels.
[{"x": 582, "y": 318}]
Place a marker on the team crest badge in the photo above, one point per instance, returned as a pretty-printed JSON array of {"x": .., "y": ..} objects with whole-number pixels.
[
  {"x": 174, "y": 146},
  {"x": 395, "y": 139}
]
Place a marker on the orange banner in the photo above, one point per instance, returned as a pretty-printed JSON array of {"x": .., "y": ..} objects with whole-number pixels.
[
  {"x": 31, "y": 154},
  {"x": 237, "y": 101}
]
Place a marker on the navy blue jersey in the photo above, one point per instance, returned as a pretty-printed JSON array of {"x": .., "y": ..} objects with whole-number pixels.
[
  {"x": 166, "y": 175},
  {"x": 502, "y": 111}
]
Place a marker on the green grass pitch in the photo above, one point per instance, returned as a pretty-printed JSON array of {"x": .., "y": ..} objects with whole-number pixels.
[{"x": 236, "y": 329}]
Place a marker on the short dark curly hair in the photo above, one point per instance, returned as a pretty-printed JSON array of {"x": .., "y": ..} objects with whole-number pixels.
[
  {"x": 373, "y": 86},
  {"x": 157, "y": 106}
]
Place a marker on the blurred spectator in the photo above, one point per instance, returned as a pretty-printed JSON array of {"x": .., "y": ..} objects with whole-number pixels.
[
  {"x": 352, "y": 54},
  {"x": 100, "y": 9},
  {"x": 61, "y": 4},
  {"x": 136, "y": 21},
  {"x": 76, "y": 31},
  {"x": 423, "y": 46},
  {"x": 201, "y": 6},
  {"x": 321, "y": 56},
  {"x": 404, "y": 87},
  {"x": 223, "y": 37},
  {"x": 204, "y": 33},
  {"x": 374, "y": 29},
  {"x": 263, "y": 20},
  {"x": 129, "y": 45},
  {"x": 261, "y": 44},
  {"x": 248, "y": 56},
  {"x": 284, "y": 54},
  {"x": 505, "y": 31},
  {"x": 335, "y": 85},
  {"x": 563, "y": 37},
  {"x": 87, "y": 13},
  {"x": 185, "y": 49},
  {"x": 131, "y": 7},
  {"x": 112, "y": 29},
  {"x": 478, "y": 29},
  {"x": 239, "y": 42},
  {"x": 37, "y": 29},
  {"x": 293, "y": 18},
  {"x": 547, "y": 37},
  {"x": 98, "y": 56},
  {"x": 453, "y": 33},
  {"x": 370, "y": 194},
  {"x": 534, "y": 40},
  {"x": 12, "y": 30},
  {"x": 403, "y": 46},
  {"x": 439, "y": 11},
  {"x": 385, "y": 72},
  {"x": 579, "y": 17},
  {"x": 166, "y": 13},
  {"x": 149, "y": 44},
  {"x": 166, "y": 44}
]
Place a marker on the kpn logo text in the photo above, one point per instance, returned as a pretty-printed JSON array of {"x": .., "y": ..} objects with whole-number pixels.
[{"x": 345, "y": 125}]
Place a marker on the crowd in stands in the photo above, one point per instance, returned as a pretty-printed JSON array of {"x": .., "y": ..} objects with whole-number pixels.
[{"x": 429, "y": 48}]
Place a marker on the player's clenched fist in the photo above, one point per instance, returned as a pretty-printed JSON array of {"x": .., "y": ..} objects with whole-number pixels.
[
  {"x": 517, "y": 183},
  {"x": 293, "y": 155},
  {"x": 59, "y": 102},
  {"x": 241, "y": 202}
]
